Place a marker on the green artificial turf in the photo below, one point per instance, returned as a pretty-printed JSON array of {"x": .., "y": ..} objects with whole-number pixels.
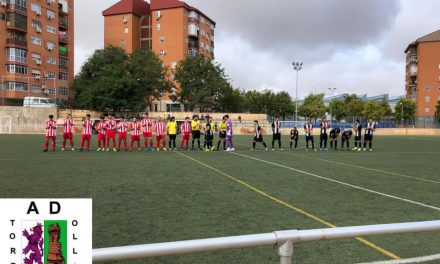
[{"x": 141, "y": 198}]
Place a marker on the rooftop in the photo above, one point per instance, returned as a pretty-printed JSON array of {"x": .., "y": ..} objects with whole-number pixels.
[
  {"x": 432, "y": 37},
  {"x": 137, "y": 7}
]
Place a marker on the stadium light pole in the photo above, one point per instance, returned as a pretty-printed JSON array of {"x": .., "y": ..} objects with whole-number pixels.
[
  {"x": 332, "y": 90},
  {"x": 297, "y": 66}
]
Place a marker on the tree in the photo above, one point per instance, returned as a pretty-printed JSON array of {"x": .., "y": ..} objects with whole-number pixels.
[
  {"x": 338, "y": 109},
  {"x": 313, "y": 106},
  {"x": 203, "y": 84},
  {"x": 373, "y": 109},
  {"x": 254, "y": 102},
  {"x": 407, "y": 107},
  {"x": 281, "y": 105},
  {"x": 386, "y": 108},
  {"x": 150, "y": 75},
  {"x": 354, "y": 105},
  {"x": 232, "y": 101},
  {"x": 112, "y": 80}
]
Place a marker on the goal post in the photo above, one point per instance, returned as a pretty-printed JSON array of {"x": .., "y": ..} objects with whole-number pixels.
[{"x": 5, "y": 124}]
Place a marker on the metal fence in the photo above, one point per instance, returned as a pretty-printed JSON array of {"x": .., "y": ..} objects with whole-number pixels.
[{"x": 284, "y": 240}]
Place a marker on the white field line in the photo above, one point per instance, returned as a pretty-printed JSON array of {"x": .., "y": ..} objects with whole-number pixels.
[
  {"x": 404, "y": 261},
  {"x": 340, "y": 182}
]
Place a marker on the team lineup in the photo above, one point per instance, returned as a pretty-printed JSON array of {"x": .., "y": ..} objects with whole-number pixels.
[{"x": 112, "y": 134}]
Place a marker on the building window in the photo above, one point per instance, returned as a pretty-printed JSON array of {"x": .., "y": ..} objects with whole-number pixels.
[
  {"x": 36, "y": 57},
  {"x": 157, "y": 26},
  {"x": 51, "y": 90},
  {"x": 36, "y": 41},
  {"x": 63, "y": 91},
  {"x": 122, "y": 43},
  {"x": 16, "y": 69},
  {"x": 126, "y": 30},
  {"x": 16, "y": 86},
  {"x": 36, "y": 74},
  {"x": 37, "y": 25},
  {"x": 64, "y": 64},
  {"x": 173, "y": 65},
  {"x": 36, "y": 8},
  {"x": 51, "y": 60},
  {"x": 428, "y": 88},
  {"x": 63, "y": 77},
  {"x": 50, "y": 45},
  {"x": 51, "y": 29},
  {"x": 49, "y": 75},
  {"x": 125, "y": 18},
  {"x": 2, "y": 16},
  {"x": 16, "y": 55},
  {"x": 162, "y": 53},
  {"x": 36, "y": 89},
  {"x": 162, "y": 39},
  {"x": 50, "y": 14},
  {"x": 427, "y": 99}
]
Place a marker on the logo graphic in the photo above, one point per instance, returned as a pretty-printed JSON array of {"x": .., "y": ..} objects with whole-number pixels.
[
  {"x": 46, "y": 231},
  {"x": 33, "y": 252}
]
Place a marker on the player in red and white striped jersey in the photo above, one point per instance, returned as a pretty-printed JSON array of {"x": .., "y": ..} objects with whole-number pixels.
[
  {"x": 111, "y": 132},
  {"x": 87, "y": 132},
  {"x": 51, "y": 133},
  {"x": 102, "y": 132},
  {"x": 122, "y": 133},
  {"x": 135, "y": 128},
  {"x": 160, "y": 130},
  {"x": 147, "y": 126},
  {"x": 186, "y": 132},
  {"x": 67, "y": 132}
]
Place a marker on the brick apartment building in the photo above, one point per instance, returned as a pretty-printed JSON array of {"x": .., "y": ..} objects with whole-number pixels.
[
  {"x": 170, "y": 28},
  {"x": 423, "y": 74},
  {"x": 36, "y": 50}
]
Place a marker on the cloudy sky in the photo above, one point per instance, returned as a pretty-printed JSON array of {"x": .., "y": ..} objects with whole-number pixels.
[{"x": 354, "y": 46}]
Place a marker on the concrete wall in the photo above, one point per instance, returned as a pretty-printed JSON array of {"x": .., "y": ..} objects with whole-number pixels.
[{"x": 27, "y": 120}]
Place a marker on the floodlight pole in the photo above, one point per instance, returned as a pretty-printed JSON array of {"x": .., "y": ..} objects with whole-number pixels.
[{"x": 297, "y": 66}]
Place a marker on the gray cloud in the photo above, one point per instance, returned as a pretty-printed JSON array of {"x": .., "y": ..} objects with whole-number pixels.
[{"x": 356, "y": 46}]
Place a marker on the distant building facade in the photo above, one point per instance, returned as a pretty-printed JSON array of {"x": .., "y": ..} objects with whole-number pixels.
[
  {"x": 170, "y": 28},
  {"x": 422, "y": 81}
]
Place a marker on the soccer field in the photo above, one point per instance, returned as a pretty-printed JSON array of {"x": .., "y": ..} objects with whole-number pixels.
[{"x": 141, "y": 198}]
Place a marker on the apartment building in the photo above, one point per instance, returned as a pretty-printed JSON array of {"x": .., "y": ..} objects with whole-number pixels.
[
  {"x": 423, "y": 74},
  {"x": 36, "y": 50},
  {"x": 170, "y": 28}
]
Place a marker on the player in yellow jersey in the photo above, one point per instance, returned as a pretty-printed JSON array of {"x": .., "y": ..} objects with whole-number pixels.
[
  {"x": 195, "y": 131},
  {"x": 222, "y": 134},
  {"x": 172, "y": 133}
]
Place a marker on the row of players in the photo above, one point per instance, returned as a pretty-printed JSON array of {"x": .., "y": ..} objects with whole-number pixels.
[
  {"x": 370, "y": 128},
  {"x": 108, "y": 127}
]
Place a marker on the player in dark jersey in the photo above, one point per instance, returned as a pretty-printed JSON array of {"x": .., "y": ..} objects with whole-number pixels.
[
  {"x": 357, "y": 136},
  {"x": 308, "y": 130},
  {"x": 294, "y": 137},
  {"x": 323, "y": 135},
  {"x": 346, "y": 135},
  {"x": 276, "y": 129},
  {"x": 258, "y": 136},
  {"x": 334, "y": 134},
  {"x": 209, "y": 133},
  {"x": 370, "y": 128}
]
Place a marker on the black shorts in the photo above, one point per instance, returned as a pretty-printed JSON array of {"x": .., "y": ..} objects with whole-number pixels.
[
  {"x": 368, "y": 137},
  {"x": 258, "y": 139},
  {"x": 276, "y": 136},
  {"x": 356, "y": 138},
  {"x": 172, "y": 137},
  {"x": 222, "y": 135},
  {"x": 195, "y": 134},
  {"x": 324, "y": 136},
  {"x": 209, "y": 137},
  {"x": 308, "y": 138}
]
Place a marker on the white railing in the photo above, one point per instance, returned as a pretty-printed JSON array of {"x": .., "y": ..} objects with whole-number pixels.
[{"x": 283, "y": 239}]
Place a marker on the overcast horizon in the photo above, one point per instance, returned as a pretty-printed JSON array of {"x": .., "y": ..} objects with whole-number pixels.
[{"x": 354, "y": 46}]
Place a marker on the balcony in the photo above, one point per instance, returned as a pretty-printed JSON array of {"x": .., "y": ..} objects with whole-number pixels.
[
  {"x": 64, "y": 68},
  {"x": 14, "y": 25},
  {"x": 413, "y": 70},
  {"x": 63, "y": 39},
  {"x": 63, "y": 51},
  {"x": 193, "y": 45},
  {"x": 412, "y": 59},
  {"x": 12, "y": 8},
  {"x": 16, "y": 42},
  {"x": 63, "y": 23},
  {"x": 193, "y": 20}
]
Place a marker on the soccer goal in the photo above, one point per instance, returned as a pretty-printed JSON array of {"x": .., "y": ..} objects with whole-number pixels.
[{"x": 5, "y": 125}]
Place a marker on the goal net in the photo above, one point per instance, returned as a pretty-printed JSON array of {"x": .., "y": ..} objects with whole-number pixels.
[{"x": 5, "y": 125}]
